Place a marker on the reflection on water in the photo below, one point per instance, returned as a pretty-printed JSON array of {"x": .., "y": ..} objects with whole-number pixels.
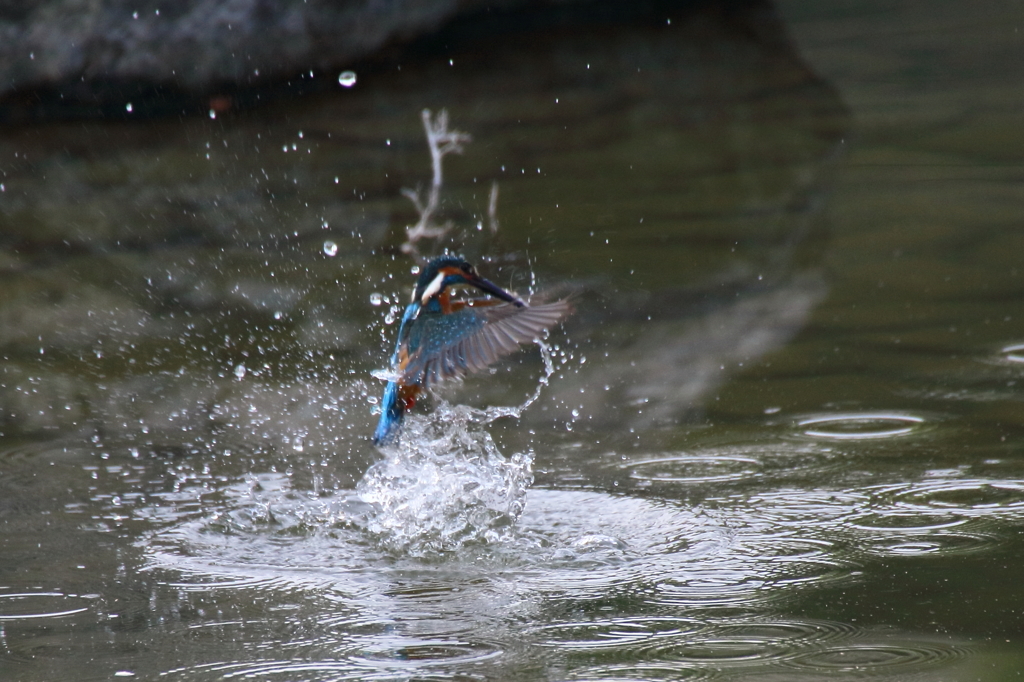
[{"x": 781, "y": 436}]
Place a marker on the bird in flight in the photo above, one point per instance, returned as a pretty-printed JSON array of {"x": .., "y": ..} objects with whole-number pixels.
[{"x": 441, "y": 339}]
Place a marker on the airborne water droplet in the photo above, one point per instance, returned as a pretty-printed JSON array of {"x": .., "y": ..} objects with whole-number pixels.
[
  {"x": 347, "y": 79},
  {"x": 330, "y": 248},
  {"x": 376, "y": 298}
]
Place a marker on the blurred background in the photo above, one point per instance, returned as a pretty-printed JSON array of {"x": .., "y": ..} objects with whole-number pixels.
[{"x": 782, "y": 439}]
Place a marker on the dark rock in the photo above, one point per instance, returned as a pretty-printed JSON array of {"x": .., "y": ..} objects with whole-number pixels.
[
  {"x": 194, "y": 43},
  {"x": 126, "y": 59}
]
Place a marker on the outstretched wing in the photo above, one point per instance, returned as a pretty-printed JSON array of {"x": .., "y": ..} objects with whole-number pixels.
[{"x": 468, "y": 340}]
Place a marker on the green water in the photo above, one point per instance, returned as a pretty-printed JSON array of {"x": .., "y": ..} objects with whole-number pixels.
[{"x": 782, "y": 439}]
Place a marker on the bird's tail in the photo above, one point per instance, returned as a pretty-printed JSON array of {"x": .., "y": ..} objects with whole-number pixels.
[{"x": 397, "y": 399}]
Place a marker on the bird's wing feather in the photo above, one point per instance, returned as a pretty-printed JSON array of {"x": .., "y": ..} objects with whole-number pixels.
[{"x": 445, "y": 347}]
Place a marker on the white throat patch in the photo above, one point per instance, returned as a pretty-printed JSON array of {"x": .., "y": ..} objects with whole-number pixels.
[{"x": 433, "y": 288}]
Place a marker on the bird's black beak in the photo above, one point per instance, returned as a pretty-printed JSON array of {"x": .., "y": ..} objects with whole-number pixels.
[{"x": 496, "y": 291}]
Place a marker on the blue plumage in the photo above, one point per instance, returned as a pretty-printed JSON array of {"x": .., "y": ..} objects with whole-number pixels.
[{"x": 439, "y": 339}]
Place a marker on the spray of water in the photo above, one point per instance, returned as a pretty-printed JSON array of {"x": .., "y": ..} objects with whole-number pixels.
[{"x": 445, "y": 483}]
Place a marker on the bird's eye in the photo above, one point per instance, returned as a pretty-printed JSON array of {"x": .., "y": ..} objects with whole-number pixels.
[{"x": 468, "y": 269}]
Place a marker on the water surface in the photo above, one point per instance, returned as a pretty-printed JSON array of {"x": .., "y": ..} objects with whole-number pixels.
[{"x": 781, "y": 436}]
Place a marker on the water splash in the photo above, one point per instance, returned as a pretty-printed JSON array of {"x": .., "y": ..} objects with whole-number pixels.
[{"x": 446, "y": 484}]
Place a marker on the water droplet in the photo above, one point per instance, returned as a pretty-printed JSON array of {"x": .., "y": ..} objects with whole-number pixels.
[
  {"x": 240, "y": 371},
  {"x": 128, "y": 107},
  {"x": 376, "y": 298},
  {"x": 213, "y": 114},
  {"x": 330, "y": 248},
  {"x": 347, "y": 79}
]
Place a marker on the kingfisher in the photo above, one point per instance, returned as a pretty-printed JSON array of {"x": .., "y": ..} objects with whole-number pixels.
[{"x": 441, "y": 339}]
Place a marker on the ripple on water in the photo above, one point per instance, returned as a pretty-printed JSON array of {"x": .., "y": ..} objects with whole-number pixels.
[
  {"x": 733, "y": 646},
  {"x": 586, "y": 544},
  {"x": 693, "y": 648},
  {"x": 211, "y": 584},
  {"x": 879, "y": 657},
  {"x": 420, "y": 615},
  {"x": 968, "y": 497},
  {"x": 730, "y": 464},
  {"x": 643, "y": 671},
  {"x": 900, "y": 520},
  {"x": 945, "y": 543},
  {"x": 948, "y": 513},
  {"x": 634, "y": 633},
  {"x": 694, "y": 468},
  {"x": 24, "y": 606},
  {"x": 811, "y": 648},
  {"x": 19, "y": 464},
  {"x": 409, "y": 652},
  {"x": 861, "y": 425},
  {"x": 695, "y": 640},
  {"x": 1013, "y": 353}
]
